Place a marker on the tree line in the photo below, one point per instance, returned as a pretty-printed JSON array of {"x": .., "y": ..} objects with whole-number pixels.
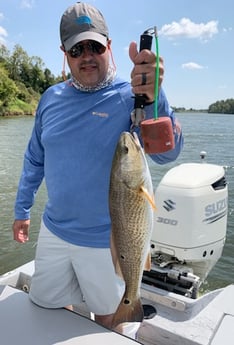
[
  {"x": 22, "y": 80},
  {"x": 222, "y": 107}
]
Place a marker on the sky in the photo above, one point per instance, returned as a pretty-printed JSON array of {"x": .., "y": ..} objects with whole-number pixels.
[{"x": 195, "y": 39}]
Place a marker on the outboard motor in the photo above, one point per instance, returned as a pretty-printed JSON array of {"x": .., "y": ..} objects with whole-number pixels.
[{"x": 190, "y": 226}]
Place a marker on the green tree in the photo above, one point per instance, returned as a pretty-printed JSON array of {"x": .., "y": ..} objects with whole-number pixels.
[
  {"x": 223, "y": 107},
  {"x": 23, "y": 79},
  {"x": 48, "y": 79},
  {"x": 4, "y": 55},
  {"x": 18, "y": 59},
  {"x": 8, "y": 89}
]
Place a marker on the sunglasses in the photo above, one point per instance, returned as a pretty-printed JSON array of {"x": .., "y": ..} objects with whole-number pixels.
[{"x": 92, "y": 46}]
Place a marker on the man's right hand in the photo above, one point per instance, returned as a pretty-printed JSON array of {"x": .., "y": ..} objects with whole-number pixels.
[{"x": 21, "y": 230}]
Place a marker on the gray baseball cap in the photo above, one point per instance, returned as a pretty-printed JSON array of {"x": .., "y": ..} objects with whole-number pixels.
[{"x": 80, "y": 22}]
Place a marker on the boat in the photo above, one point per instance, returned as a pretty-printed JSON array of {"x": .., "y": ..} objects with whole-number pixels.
[{"x": 188, "y": 239}]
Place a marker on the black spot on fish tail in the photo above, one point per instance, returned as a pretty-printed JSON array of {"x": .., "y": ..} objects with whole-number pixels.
[
  {"x": 128, "y": 312},
  {"x": 126, "y": 301}
]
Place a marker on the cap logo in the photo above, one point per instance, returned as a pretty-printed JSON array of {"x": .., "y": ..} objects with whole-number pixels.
[{"x": 83, "y": 20}]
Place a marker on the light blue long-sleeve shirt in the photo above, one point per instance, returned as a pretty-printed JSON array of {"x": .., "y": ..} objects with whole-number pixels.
[{"x": 72, "y": 147}]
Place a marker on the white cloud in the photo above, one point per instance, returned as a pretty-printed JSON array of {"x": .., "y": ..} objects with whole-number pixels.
[
  {"x": 192, "y": 65},
  {"x": 27, "y": 3},
  {"x": 227, "y": 29},
  {"x": 3, "y": 32},
  {"x": 3, "y": 35},
  {"x": 186, "y": 28}
]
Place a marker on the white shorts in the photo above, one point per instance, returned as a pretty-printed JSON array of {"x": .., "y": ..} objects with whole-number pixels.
[{"x": 66, "y": 274}]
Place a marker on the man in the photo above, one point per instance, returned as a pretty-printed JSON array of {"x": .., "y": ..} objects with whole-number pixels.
[{"x": 77, "y": 126}]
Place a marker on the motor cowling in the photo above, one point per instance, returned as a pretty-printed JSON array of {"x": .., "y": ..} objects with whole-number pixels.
[{"x": 191, "y": 216}]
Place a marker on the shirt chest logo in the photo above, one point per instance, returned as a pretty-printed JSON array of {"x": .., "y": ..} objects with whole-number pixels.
[{"x": 100, "y": 114}]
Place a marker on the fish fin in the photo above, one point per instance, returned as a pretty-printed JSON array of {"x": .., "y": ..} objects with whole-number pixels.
[
  {"x": 149, "y": 197},
  {"x": 118, "y": 269},
  {"x": 147, "y": 266},
  {"x": 128, "y": 312},
  {"x": 115, "y": 257}
]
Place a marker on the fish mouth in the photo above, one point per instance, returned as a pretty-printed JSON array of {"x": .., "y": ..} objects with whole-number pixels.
[
  {"x": 127, "y": 137},
  {"x": 135, "y": 136},
  {"x": 136, "y": 139}
]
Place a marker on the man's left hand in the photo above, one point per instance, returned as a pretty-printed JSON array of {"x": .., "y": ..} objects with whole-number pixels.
[{"x": 143, "y": 73}]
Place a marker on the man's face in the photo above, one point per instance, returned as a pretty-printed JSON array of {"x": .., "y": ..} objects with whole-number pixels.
[{"x": 88, "y": 61}]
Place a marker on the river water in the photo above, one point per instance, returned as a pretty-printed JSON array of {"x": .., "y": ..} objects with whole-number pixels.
[{"x": 212, "y": 133}]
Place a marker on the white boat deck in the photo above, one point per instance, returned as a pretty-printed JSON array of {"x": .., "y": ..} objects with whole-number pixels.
[
  {"x": 208, "y": 320},
  {"x": 24, "y": 323}
]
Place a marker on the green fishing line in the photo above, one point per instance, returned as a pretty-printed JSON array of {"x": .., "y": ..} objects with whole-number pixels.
[{"x": 156, "y": 76}]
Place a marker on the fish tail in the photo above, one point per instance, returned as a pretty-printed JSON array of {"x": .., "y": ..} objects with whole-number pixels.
[{"x": 128, "y": 312}]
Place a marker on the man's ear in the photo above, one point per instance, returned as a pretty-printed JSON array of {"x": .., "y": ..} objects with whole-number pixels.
[
  {"x": 109, "y": 44},
  {"x": 62, "y": 48}
]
